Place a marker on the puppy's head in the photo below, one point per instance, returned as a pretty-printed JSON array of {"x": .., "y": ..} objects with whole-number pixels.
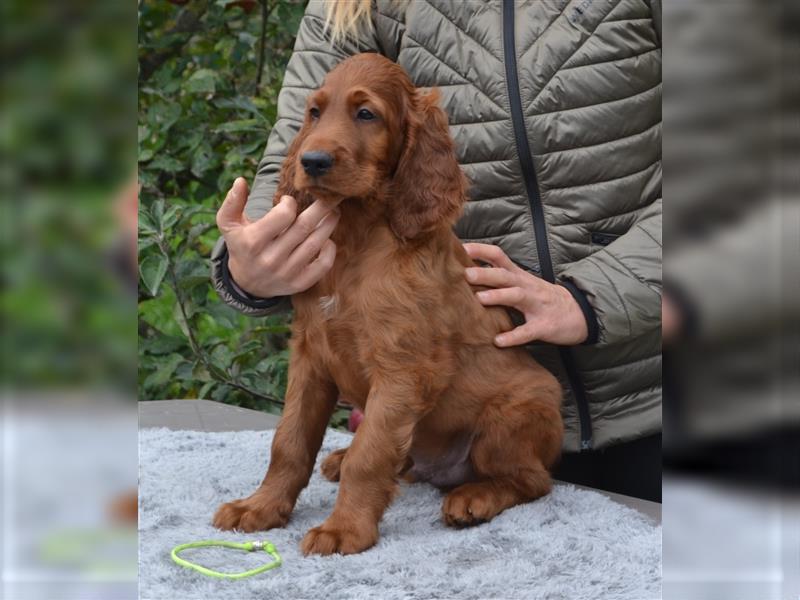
[{"x": 369, "y": 133}]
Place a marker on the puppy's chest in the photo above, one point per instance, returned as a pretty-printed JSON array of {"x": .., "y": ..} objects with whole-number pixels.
[
  {"x": 344, "y": 315},
  {"x": 348, "y": 314},
  {"x": 342, "y": 346},
  {"x": 348, "y": 297},
  {"x": 341, "y": 309},
  {"x": 328, "y": 306}
]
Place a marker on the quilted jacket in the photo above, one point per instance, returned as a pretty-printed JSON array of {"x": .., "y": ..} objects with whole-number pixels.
[{"x": 555, "y": 109}]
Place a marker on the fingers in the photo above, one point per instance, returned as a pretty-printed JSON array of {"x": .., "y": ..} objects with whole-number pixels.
[
  {"x": 277, "y": 220},
  {"x": 315, "y": 270},
  {"x": 231, "y": 214},
  {"x": 491, "y": 254},
  {"x": 516, "y": 337},
  {"x": 312, "y": 245},
  {"x": 303, "y": 226},
  {"x": 490, "y": 277},
  {"x": 512, "y": 296}
]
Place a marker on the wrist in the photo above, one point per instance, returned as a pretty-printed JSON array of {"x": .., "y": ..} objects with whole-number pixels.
[
  {"x": 239, "y": 293},
  {"x": 587, "y": 328},
  {"x": 238, "y": 282}
]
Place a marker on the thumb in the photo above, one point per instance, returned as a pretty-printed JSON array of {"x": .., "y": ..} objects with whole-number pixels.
[{"x": 231, "y": 214}]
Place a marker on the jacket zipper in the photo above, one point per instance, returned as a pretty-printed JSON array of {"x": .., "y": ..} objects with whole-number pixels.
[{"x": 537, "y": 210}]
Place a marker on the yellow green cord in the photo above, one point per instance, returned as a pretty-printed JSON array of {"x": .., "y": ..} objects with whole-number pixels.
[{"x": 247, "y": 546}]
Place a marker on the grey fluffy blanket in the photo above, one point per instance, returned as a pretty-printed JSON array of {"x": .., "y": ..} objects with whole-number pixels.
[{"x": 573, "y": 544}]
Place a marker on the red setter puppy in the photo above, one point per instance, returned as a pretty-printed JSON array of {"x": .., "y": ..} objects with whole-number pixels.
[{"x": 395, "y": 328}]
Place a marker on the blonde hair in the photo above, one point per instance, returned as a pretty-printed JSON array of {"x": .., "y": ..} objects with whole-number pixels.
[{"x": 347, "y": 18}]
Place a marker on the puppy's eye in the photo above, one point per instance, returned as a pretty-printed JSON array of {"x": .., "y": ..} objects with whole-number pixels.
[
  {"x": 313, "y": 112},
  {"x": 365, "y": 115}
]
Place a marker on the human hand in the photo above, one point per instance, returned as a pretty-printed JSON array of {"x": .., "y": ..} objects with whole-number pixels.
[
  {"x": 551, "y": 313},
  {"x": 281, "y": 253}
]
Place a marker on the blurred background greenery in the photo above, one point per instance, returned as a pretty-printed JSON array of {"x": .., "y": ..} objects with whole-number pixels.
[
  {"x": 209, "y": 78},
  {"x": 66, "y": 137},
  {"x": 68, "y": 363}
]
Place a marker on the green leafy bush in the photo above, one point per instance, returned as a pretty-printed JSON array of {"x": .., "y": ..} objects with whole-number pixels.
[{"x": 209, "y": 77}]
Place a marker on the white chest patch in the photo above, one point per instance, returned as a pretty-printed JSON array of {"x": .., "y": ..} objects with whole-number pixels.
[{"x": 327, "y": 304}]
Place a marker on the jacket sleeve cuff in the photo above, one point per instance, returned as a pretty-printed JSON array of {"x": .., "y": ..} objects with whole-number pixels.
[
  {"x": 592, "y": 325},
  {"x": 239, "y": 294}
]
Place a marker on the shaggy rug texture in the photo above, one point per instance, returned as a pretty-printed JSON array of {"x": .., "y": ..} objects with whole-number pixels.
[{"x": 573, "y": 544}]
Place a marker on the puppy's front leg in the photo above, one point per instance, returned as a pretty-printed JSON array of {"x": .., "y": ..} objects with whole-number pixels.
[
  {"x": 310, "y": 400},
  {"x": 368, "y": 478}
]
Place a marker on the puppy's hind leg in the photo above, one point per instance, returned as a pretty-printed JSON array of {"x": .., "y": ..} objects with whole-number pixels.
[
  {"x": 518, "y": 439},
  {"x": 331, "y": 467}
]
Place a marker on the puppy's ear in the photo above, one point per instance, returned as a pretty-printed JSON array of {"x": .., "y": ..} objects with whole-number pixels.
[
  {"x": 288, "y": 168},
  {"x": 428, "y": 189}
]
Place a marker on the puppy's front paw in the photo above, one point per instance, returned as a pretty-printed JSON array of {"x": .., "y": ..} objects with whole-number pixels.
[
  {"x": 332, "y": 537},
  {"x": 252, "y": 514}
]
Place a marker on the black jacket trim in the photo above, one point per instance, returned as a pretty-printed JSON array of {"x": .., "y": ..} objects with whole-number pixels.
[
  {"x": 241, "y": 296},
  {"x": 528, "y": 171}
]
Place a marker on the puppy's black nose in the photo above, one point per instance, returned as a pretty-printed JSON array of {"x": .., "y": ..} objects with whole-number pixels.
[{"x": 316, "y": 162}]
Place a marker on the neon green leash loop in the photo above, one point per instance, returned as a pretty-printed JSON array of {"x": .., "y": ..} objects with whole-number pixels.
[{"x": 247, "y": 546}]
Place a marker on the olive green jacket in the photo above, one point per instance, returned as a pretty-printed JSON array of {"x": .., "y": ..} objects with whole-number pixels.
[{"x": 555, "y": 109}]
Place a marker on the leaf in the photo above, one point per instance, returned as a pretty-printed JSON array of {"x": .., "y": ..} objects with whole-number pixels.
[
  {"x": 222, "y": 357},
  {"x": 144, "y": 242},
  {"x": 147, "y": 179},
  {"x": 152, "y": 271},
  {"x": 165, "y": 163},
  {"x": 171, "y": 216},
  {"x": 206, "y": 389},
  {"x": 163, "y": 115},
  {"x": 145, "y": 153},
  {"x": 241, "y": 125},
  {"x": 242, "y": 103},
  {"x": 164, "y": 372},
  {"x": 199, "y": 229},
  {"x": 185, "y": 372},
  {"x": 202, "y": 81},
  {"x": 157, "y": 210},
  {"x": 162, "y": 344},
  {"x": 221, "y": 393},
  {"x": 246, "y": 350},
  {"x": 223, "y": 314},
  {"x": 158, "y": 313},
  {"x": 177, "y": 315},
  {"x": 146, "y": 225},
  {"x": 193, "y": 272},
  {"x": 191, "y": 140},
  {"x": 165, "y": 81},
  {"x": 203, "y": 159}
]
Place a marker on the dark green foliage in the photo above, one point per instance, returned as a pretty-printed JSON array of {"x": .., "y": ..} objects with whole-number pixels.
[{"x": 204, "y": 118}]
